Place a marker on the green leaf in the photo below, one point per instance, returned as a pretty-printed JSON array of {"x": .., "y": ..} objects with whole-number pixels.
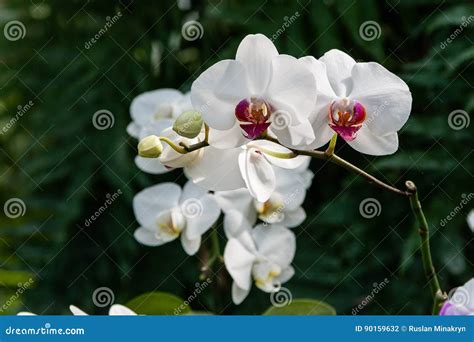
[
  {"x": 158, "y": 303},
  {"x": 307, "y": 307}
]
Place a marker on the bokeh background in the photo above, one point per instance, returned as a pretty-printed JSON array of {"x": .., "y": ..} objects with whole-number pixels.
[{"x": 63, "y": 168}]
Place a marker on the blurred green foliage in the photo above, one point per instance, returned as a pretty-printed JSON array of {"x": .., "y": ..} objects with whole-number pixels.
[{"x": 62, "y": 167}]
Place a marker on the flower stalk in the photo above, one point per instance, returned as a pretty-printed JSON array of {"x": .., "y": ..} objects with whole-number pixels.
[{"x": 423, "y": 229}]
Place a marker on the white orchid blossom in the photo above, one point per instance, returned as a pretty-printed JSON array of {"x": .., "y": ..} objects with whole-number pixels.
[
  {"x": 115, "y": 310},
  {"x": 165, "y": 212},
  {"x": 364, "y": 103},
  {"x": 240, "y": 99},
  {"x": 151, "y": 107},
  {"x": 283, "y": 206},
  {"x": 248, "y": 166},
  {"x": 263, "y": 253},
  {"x": 461, "y": 302}
]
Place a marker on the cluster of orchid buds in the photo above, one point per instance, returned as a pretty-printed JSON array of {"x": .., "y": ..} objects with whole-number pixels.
[{"x": 244, "y": 136}]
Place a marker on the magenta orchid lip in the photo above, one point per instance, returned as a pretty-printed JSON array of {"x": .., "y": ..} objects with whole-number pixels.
[
  {"x": 346, "y": 118},
  {"x": 253, "y": 115}
]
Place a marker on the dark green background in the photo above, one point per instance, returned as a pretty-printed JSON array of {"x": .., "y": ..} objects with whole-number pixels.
[{"x": 62, "y": 167}]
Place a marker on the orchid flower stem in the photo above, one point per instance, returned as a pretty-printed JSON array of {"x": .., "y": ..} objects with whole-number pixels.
[
  {"x": 332, "y": 145},
  {"x": 281, "y": 155},
  {"x": 206, "y": 133},
  {"x": 175, "y": 147},
  {"x": 423, "y": 229}
]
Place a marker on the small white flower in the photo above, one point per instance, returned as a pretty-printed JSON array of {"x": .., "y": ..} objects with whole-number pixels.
[
  {"x": 364, "y": 103},
  {"x": 239, "y": 99},
  {"x": 115, "y": 310},
  {"x": 263, "y": 253},
  {"x": 283, "y": 206},
  {"x": 151, "y": 107},
  {"x": 249, "y": 166},
  {"x": 164, "y": 216}
]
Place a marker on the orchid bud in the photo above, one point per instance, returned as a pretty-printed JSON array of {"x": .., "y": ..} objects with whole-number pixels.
[
  {"x": 188, "y": 124},
  {"x": 150, "y": 147}
]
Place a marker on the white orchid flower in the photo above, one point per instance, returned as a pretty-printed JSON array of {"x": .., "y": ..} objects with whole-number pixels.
[
  {"x": 364, "y": 103},
  {"x": 115, "y": 310},
  {"x": 240, "y": 99},
  {"x": 283, "y": 206},
  {"x": 263, "y": 253},
  {"x": 248, "y": 166},
  {"x": 169, "y": 158},
  {"x": 151, "y": 107},
  {"x": 461, "y": 302},
  {"x": 165, "y": 212}
]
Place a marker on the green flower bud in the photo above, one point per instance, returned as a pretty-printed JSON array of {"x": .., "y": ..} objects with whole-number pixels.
[
  {"x": 150, "y": 147},
  {"x": 188, "y": 124}
]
